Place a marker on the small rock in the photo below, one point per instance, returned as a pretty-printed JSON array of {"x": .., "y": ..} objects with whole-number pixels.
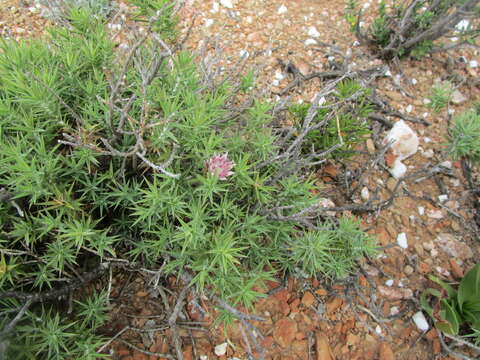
[
  {"x": 428, "y": 153},
  {"x": 322, "y": 347},
  {"x": 303, "y": 67},
  {"x": 370, "y": 146},
  {"x": 309, "y": 42},
  {"x": 378, "y": 330},
  {"x": 208, "y": 22},
  {"x": 462, "y": 25},
  {"x": 215, "y": 7},
  {"x": 409, "y": 109},
  {"x": 421, "y": 210},
  {"x": 308, "y": 299},
  {"x": 402, "y": 240},
  {"x": 457, "y": 271},
  {"x": 404, "y": 143},
  {"x": 420, "y": 321},
  {"x": 227, "y": 3},
  {"x": 394, "y": 310},
  {"x": 313, "y": 32},
  {"x": 392, "y": 293},
  {"x": 221, "y": 349},
  {"x": 435, "y": 214},
  {"x": 408, "y": 270},
  {"x": 391, "y": 183},
  {"x": 458, "y": 98},
  {"x": 365, "y": 194},
  {"x": 454, "y": 247},
  {"x": 385, "y": 352},
  {"x": 334, "y": 304},
  {"x": 389, "y": 282},
  {"x": 284, "y": 332},
  {"x": 282, "y": 10},
  {"x": 473, "y": 64},
  {"x": 442, "y": 198}
]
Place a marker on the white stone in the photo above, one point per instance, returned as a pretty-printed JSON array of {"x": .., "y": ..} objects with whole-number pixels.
[
  {"x": 473, "y": 64},
  {"x": 404, "y": 143},
  {"x": 462, "y": 25},
  {"x": 378, "y": 330},
  {"x": 327, "y": 203},
  {"x": 227, "y": 3},
  {"x": 458, "y": 97},
  {"x": 451, "y": 111},
  {"x": 398, "y": 170},
  {"x": 279, "y": 76},
  {"x": 414, "y": 81},
  {"x": 356, "y": 43},
  {"x": 313, "y": 32},
  {"x": 442, "y": 198},
  {"x": 389, "y": 282},
  {"x": 428, "y": 153},
  {"x": 388, "y": 73},
  {"x": 203, "y": 357},
  {"x": 427, "y": 101},
  {"x": 243, "y": 53},
  {"x": 446, "y": 164},
  {"x": 249, "y": 19},
  {"x": 282, "y": 10},
  {"x": 209, "y": 22},
  {"x": 402, "y": 240},
  {"x": 215, "y": 7},
  {"x": 365, "y": 194},
  {"x": 394, "y": 310},
  {"x": 409, "y": 108},
  {"x": 420, "y": 321},
  {"x": 309, "y": 42},
  {"x": 435, "y": 214},
  {"x": 221, "y": 349},
  {"x": 421, "y": 210},
  {"x": 427, "y": 140},
  {"x": 434, "y": 253}
]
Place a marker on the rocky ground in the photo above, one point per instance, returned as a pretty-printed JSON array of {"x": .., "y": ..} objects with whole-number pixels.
[{"x": 429, "y": 228}]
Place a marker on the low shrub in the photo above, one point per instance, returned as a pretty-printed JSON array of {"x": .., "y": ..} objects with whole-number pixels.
[
  {"x": 412, "y": 28},
  {"x": 149, "y": 160},
  {"x": 465, "y": 137}
]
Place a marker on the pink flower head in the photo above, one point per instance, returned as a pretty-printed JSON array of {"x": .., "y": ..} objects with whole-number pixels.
[{"x": 220, "y": 165}]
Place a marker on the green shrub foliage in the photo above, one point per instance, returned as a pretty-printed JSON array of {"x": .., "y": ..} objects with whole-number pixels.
[
  {"x": 465, "y": 136},
  {"x": 402, "y": 28},
  {"x": 176, "y": 180}
]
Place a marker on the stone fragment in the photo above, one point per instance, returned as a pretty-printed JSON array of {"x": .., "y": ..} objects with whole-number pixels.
[
  {"x": 393, "y": 293},
  {"x": 313, "y": 32},
  {"x": 371, "y": 146},
  {"x": 284, "y": 332},
  {"x": 227, "y": 3},
  {"x": 453, "y": 247},
  {"x": 404, "y": 143},
  {"x": 458, "y": 98},
  {"x": 402, "y": 240},
  {"x": 365, "y": 194},
  {"x": 282, "y": 10},
  {"x": 385, "y": 352},
  {"x": 420, "y": 321},
  {"x": 334, "y": 304},
  {"x": 322, "y": 347},
  {"x": 308, "y": 299},
  {"x": 221, "y": 349},
  {"x": 408, "y": 270},
  {"x": 457, "y": 271}
]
